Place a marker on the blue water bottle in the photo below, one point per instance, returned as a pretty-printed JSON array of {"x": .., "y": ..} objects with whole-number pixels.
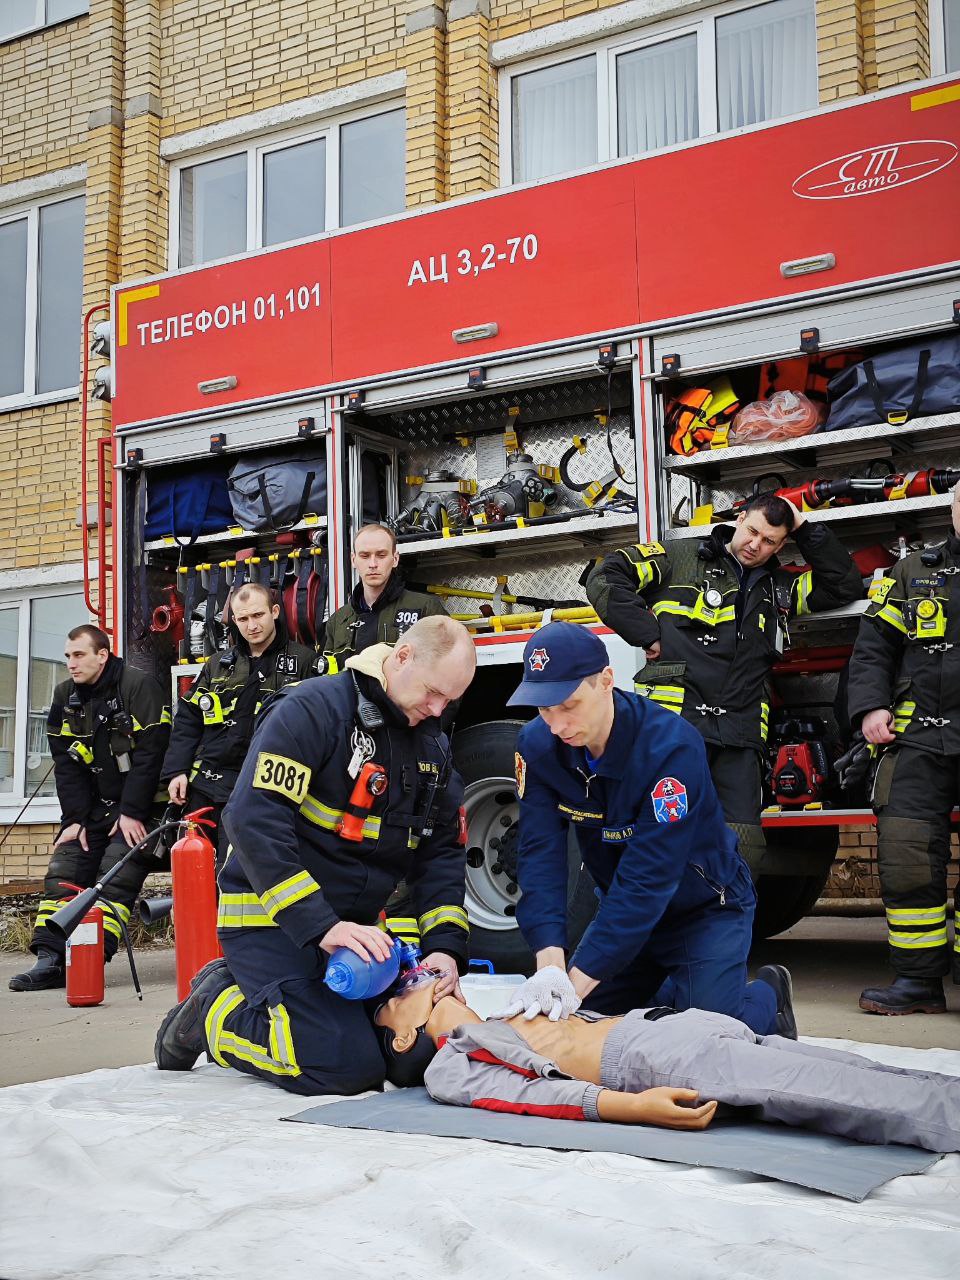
[{"x": 355, "y": 979}]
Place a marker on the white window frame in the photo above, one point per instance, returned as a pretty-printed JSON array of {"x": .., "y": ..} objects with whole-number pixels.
[
  {"x": 61, "y": 581},
  {"x": 29, "y": 395},
  {"x": 701, "y": 23},
  {"x": 255, "y": 149},
  {"x": 40, "y": 21},
  {"x": 937, "y": 20}
]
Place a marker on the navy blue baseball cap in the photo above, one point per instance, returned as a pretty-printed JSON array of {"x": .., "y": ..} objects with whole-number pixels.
[{"x": 555, "y": 660}]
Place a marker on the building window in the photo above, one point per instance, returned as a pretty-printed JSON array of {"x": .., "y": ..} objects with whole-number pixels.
[
  {"x": 290, "y": 189},
  {"x": 944, "y": 36},
  {"x": 32, "y": 634},
  {"x": 41, "y": 284},
  {"x": 17, "y": 17},
  {"x": 725, "y": 69}
]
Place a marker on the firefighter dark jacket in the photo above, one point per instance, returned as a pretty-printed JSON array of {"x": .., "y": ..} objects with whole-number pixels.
[
  {"x": 650, "y": 829},
  {"x": 93, "y": 728},
  {"x": 355, "y": 627},
  {"x": 720, "y": 626},
  {"x": 907, "y": 656},
  {"x": 288, "y": 867},
  {"x": 214, "y": 721}
]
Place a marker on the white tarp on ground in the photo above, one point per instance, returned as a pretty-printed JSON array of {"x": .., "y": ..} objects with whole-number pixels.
[{"x": 135, "y": 1172}]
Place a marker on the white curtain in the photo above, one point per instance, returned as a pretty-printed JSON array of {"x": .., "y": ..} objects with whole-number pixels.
[
  {"x": 766, "y": 63},
  {"x": 555, "y": 119},
  {"x": 657, "y": 96}
]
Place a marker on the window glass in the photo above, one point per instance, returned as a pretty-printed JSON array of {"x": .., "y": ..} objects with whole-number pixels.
[
  {"x": 13, "y": 312},
  {"x": 51, "y": 618},
  {"x": 951, "y": 29},
  {"x": 57, "y": 10},
  {"x": 372, "y": 168},
  {"x": 213, "y": 210},
  {"x": 555, "y": 119},
  {"x": 8, "y": 693},
  {"x": 294, "y": 191},
  {"x": 17, "y": 15},
  {"x": 60, "y": 295},
  {"x": 657, "y": 96},
  {"x": 766, "y": 63}
]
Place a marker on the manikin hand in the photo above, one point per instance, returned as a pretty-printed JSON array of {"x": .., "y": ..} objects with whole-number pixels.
[
  {"x": 876, "y": 727},
  {"x": 673, "y": 1108},
  {"x": 549, "y": 991},
  {"x": 449, "y": 982}
]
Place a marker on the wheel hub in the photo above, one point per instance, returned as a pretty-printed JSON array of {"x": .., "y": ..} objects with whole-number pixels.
[{"x": 492, "y": 852}]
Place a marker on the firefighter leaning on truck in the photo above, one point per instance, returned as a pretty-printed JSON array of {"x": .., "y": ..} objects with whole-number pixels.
[
  {"x": 904, "y": 694},
  {"x": 712, "y": 618},
  {"x": 347, "y": 789},
  {"x": 108, "y": 728}
]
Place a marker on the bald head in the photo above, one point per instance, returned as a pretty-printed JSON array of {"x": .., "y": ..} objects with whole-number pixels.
[{"x": 431, "y": 666}]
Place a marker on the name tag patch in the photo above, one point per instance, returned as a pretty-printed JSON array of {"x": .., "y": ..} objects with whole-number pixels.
[
  {"x": 287, "y": 777},
  {"x": 612, "y": 835}
]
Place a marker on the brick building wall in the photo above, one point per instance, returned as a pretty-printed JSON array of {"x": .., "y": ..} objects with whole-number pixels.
[{"x": 102, "y": 101}]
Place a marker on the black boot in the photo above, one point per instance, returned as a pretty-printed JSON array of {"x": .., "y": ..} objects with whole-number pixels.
[
  {"x": 180, "y": 1040},
  {"x": 778, "y": 977},
  {"x": 905, "y": 995},
  {"x": 49, "y": 972}
]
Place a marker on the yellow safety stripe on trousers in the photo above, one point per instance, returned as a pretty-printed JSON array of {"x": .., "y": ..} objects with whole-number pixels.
[
  {"x": 287, "y": 892},
  {"x": 242, "y": 911},
  {"x": 764, "y": 720},
  {"x": 277, "y": 1058},
  {"x": 46, "y": 909},
  {"x": 902, "y": 715},
  {"x": 904, "y": 916},
  {"x": 322, "y": 815},
  {"x": 667, "y": 695},
  {"x": 443, "y": 915},
  {"x": 110, "y": 924},
  {"x": 217, "y": 1014},
  {"x": 893, "y": 616},
  {"x": 918, "y": 941},
  {"x": 802, "y": 587},
  {"x": 711, "y": 617}
]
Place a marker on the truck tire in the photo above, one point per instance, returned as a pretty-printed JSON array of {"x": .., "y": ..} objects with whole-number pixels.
[
  {"x": 484, "y": 757},
  {"x": 784, "y": 900}
]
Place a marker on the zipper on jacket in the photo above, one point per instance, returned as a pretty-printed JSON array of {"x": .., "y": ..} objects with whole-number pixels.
[{"x": 717, "y": 888}]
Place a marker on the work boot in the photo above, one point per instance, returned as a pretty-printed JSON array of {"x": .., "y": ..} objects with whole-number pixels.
[
  {"x": 180, "y": 1040},
  {"x": 905, "y": 995},
  {"x": 778, "y": 977},
  {"x": 49, "y": 972}
]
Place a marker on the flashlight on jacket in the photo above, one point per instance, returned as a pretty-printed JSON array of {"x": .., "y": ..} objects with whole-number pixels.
[{"x": 371, "y": 782}]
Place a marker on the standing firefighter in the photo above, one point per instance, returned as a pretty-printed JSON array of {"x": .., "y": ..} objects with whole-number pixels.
[
  {"x": 905, "y": 694},
  {"x": 712, "y": 619},
  {"x": 347, "y": 789},
  {"x": 108, "y": 728},
  {"x": 214, "y": 721}
]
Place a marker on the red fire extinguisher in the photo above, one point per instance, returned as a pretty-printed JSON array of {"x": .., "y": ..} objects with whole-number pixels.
[
  {"x": 193, "y": 865},
  {"x": 85, "y": 961}
]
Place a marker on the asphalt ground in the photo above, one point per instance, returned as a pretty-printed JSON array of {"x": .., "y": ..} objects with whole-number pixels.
[{"x": 831, "y": 960}]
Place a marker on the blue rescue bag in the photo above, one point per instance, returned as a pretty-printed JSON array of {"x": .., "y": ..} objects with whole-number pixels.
[{"x": 185, "y": 504}]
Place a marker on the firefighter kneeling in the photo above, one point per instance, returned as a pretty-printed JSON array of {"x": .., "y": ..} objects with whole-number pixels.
[{"x": 298, "y": 883}]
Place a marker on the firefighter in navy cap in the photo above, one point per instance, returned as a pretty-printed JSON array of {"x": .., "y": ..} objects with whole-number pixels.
[
  {"x": 317, "y": 850},
  {"x": 676, "y": 905},
  {"x": 904, "y": 694}
]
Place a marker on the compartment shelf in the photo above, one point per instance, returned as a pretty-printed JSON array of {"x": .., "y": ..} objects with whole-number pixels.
[
  {"x": 863, "y": 511},
  {"x": 233, "y": 534},
  {"x": 485, "y": 541}
]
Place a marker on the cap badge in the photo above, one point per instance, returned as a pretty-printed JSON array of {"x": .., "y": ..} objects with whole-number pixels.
[{"x": 539, "y": 659}]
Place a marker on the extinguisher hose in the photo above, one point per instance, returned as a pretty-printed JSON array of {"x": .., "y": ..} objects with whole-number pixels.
[{"x": 125, "y": 933}]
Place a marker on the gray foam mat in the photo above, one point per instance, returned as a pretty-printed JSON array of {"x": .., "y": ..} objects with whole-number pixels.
[{"x": 836, "y": 1165}]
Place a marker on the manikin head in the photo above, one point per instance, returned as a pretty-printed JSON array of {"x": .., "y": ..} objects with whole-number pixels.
[
  {"x": 255, "y": 615},
  {"x": 761, "y": 530},
  {"x": 568, "y": 677},
  {"x": 374, "y": 556},
  {"x": 429, "y": 667},
  {"x": 86, "y": 653},
  {"x": 409, "y": 1027}
]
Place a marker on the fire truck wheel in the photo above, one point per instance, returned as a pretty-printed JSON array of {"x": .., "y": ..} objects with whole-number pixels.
[
  {"x": 782, "y": 901},
  {"x": 484, "y": 757}
]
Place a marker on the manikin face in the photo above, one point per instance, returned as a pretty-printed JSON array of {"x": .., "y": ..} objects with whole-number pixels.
[
  {"x": 755, "y": 540},
  {"x": 412, "y": 1009},
  {"x": 374, "y": 559},
  {"x": 256, "y": 620},
  {"x": 581, "y": 719},
  {"x": 84, "y": 662},
  {"x": 421, "y": 688}
]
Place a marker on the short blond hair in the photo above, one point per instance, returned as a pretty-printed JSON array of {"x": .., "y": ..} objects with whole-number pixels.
[{"x": 435, "y": 637}]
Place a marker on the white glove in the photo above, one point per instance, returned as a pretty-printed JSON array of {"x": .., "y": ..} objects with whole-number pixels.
[{"x": 549, "y": 991}]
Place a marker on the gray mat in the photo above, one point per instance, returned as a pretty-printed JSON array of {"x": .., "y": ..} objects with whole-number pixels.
[{"x": 837, "y": 1165}]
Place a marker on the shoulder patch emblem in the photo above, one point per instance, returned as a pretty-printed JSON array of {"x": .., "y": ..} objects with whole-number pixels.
[
  {"x": 669, "y": 800},
  {"x": 520, "y": 769}
]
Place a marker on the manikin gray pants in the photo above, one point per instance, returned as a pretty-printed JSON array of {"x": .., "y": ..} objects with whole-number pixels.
[{"x": 797, "y": 1084}]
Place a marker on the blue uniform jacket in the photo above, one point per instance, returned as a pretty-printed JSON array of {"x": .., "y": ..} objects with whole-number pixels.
[{"x": 650, "y": 829}]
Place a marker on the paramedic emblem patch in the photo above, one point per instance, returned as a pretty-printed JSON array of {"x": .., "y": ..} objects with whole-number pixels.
[
  {"x": 539, "y": 659},
  {"x": 669, "y": 800},
  {"x": 520, "y": 769}
]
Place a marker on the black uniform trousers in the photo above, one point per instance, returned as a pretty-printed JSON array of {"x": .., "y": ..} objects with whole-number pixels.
[
  {"x": 72, "y": 865},
  {"x": 275, "y": 1019},
  {"x": 737, "y": 774},
  {"x": 914, "y": 794}
]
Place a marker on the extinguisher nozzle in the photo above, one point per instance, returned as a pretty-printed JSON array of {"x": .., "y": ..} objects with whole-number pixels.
[
  {"x": 154, "y": 909},
  {"x": 63, "y": 922}
]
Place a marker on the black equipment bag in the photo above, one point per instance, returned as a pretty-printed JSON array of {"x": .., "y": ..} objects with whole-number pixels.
[
  {"x": 914, "y": 380},
  {"x": 276, "y": 490}
]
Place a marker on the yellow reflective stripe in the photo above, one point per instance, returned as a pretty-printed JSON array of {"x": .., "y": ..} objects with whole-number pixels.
[
  {"x": 322, "y": 815},
  {"x": 217, "y": 1014},
  {"x": 902, "y": 715},
  {"x": 242, "y": 911},
  {"x": 918, "y": 941},
  {"x": 110, "y": 925},
  {"x": 892, "y": 616},
  {"x": 764, "y": 720},
  {"x": 444, "y": 915},
  {"x": 712, "y": 617},
  {"x": 401, "y": 922},
  {"x": 646, "y": 573},
  {"x": 281, "y": 1041},
  {"x": 917, "y": 915},
  {"x": 802, "y": 588},
  {"x": 669, "y": 696},
  {"x": 165, "y": 718},
  {"x": 287, "y": 892}
]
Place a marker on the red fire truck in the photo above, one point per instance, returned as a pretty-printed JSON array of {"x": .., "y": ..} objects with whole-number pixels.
[{"x": 497, "y": 376}]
